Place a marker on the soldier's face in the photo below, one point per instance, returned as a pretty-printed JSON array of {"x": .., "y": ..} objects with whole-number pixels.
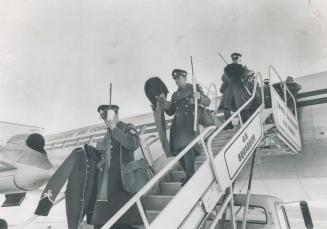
[
  {"x": 236, "y": 60},
  {"x": 109, "y": 114},
  {"x": 103, "y": 114},
  {"x": 180, "y": 81}
]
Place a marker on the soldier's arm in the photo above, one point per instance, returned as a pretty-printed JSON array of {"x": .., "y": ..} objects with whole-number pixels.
[
  {"x": 128, "y": 138},
  {"x": 248, "y": 71},
  {"x": 204, "y": 100},
  {"x": 225, "y": 80}
]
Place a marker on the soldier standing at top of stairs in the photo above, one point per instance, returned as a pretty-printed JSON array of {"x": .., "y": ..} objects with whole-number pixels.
[{"x": 235, "y": 94}]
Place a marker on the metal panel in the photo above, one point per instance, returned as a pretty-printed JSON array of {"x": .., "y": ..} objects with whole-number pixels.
[{"x": 285, "y": 121}]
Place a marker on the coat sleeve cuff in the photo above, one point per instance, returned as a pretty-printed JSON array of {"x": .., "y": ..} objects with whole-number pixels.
[{"x": 43, "y": 207}]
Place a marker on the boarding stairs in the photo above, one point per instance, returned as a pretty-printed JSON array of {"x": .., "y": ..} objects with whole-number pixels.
[{"x": 224, "y": 155}]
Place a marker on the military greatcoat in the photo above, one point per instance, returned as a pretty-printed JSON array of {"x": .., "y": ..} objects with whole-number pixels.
[
  {"x": 182, "y": 105},
  {"x": 233, "y": 89}
]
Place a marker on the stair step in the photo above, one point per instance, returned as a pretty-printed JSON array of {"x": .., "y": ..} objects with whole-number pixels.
[
  {"x": 176, "y": 176},
  {"x": 151, "y": 214},
  {"x": 220, "y": 141},
  {"x": 229, "y": 131},
  {"x": 156, "y": 202},
  {"x": 170, "y": 188},
  {"x": 223, "y": 136},
  {"x": 201, "y": 158}
]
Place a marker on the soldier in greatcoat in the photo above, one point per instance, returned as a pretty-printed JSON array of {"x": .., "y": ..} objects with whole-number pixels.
[
  {"x": 181, "y": 130},
  {"x": 234, "y": 91}
]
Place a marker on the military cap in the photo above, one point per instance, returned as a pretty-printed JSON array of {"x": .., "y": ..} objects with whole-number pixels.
[
  {"x": 266, "y": 80},
  {"x": 178, "y": 72},
  {"x": 108, "y": 107},
  {"x": 235, "y": 55}
]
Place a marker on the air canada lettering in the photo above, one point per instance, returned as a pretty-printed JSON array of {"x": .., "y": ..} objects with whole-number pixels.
[{"x": 247, "y": 146}]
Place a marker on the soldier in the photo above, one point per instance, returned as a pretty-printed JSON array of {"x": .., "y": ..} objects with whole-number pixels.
[
  {"x": 235, "y": 94},
  {"x": 181, "y": 130},
  {"x": 123, "y": 136},
  {"x": 84, "y": 169},
  {"x": 294, "y": 88}
]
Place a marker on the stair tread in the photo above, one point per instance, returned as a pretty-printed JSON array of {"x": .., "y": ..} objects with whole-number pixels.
[{"x": 156, "y": 202}]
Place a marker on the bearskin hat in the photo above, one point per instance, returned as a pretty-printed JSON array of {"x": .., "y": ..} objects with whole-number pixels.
[{"x": 154, "y": 87}]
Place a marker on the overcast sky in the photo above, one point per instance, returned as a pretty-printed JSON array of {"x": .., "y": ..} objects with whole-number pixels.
[{"x": 58, "y": 57}]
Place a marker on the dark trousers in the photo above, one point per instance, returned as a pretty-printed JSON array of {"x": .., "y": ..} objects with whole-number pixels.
[{"x": 187, "y": 162}]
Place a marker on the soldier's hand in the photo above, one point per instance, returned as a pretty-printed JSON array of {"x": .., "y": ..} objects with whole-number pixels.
[
  {"x": 197, "y": 95},
  {"x": 161, "y": 98},
  {"x": 111, "y": 124}
]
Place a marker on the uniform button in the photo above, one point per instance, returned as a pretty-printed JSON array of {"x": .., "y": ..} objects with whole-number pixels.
[
  {"x": 186, "y": 105},
  {"x": 186, "y": 113},
  {"x": 81, "y": 200}
]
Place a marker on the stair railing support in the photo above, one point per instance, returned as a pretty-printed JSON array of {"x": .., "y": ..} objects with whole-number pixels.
[
  {"x": 248, "y": 194},
  {"x": 212, "y": 163},
  {"x": 142, "y": 213},
  {"x": 231, "y": 207}
]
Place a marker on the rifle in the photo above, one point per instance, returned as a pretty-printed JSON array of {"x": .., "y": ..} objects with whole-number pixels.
[
  {"x": 195, "y": 100},
  {"x": 104, "y": 171},
  {"x": 221, "y": 56}
]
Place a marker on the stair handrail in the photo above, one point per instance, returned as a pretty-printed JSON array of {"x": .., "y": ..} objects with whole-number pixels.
[
  {"x": 285, "y": 88},
  {"x": 136, "y": 199},
  {"x": 237, "y": 113}
]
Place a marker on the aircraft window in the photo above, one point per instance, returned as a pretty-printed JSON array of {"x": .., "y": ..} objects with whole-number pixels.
[{"x": 255, "y": 215}]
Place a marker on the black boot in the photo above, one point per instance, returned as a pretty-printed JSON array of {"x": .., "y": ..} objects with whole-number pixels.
[{"x": 227, "y": 114}]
